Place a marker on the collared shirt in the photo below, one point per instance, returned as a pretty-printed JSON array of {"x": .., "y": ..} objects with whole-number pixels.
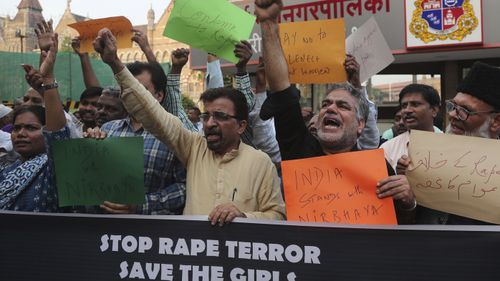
[
  {"x": 245, "y": 176},
  {"x": 164, "y": 176},
  {"x": 396, "y": 147}
]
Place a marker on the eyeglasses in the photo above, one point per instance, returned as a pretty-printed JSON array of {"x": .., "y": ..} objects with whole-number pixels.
[
  {"x": 217, "y": 115},
  {"x": 463, "y": 113}
]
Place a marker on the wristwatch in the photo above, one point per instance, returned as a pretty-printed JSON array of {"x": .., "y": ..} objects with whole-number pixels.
[{"x": 54, "y": 85}]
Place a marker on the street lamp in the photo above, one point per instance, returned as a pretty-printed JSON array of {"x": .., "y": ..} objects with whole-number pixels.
[{"x": 20, "y": 36}]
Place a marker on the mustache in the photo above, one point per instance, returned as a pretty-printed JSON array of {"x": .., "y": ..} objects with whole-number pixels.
[{"x": 212, "y": 131}]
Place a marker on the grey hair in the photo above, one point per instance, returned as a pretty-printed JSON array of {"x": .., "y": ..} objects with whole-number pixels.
[
  {"x": 362, "y": 109},
  {"x": 112, "y": 91}
]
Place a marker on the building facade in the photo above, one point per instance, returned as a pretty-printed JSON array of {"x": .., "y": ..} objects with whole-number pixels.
[
  {"x": 20, "y": 31},
  {"x": 18, "y": 34}
]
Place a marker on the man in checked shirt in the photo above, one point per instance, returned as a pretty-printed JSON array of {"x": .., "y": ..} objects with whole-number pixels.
[{"x": 164, "y": 176}]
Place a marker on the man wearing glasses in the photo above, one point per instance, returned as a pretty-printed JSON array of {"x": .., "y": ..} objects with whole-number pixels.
[
  {"x": 474, "y": 111},
  {"x": 225, "y": 177}
]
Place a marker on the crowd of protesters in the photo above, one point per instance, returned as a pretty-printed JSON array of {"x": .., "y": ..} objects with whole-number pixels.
[{"x": 223, "y": 161}]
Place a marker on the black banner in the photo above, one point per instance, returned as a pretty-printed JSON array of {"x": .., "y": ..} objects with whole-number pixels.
[{"x": 92, "y": 248}]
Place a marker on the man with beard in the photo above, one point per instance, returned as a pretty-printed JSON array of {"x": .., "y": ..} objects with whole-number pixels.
[
  {"x": 88, "y": 107},
  {"x": 225, "y": 177},
  {"x": 474, "y": 111},
  {"x": 419, "y": 106},
  {"x": 341, "y": 119}
]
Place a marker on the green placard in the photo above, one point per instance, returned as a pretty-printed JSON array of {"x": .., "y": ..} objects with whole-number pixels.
[
  {"x": 214, "y": 26},
  {"x": 89, "y": 171}
]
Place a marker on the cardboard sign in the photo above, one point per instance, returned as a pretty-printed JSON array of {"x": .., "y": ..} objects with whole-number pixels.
[
  {"x": 370, "y": 49},
  {"x": 215, "y": 26},
  {"x": 337, "y": 188},
  {"x": 120, "y": 26},
  {"x": 456, "y": 174},
  {"x": 89, "y": 171},
  {"x": 314, "y": 51}
]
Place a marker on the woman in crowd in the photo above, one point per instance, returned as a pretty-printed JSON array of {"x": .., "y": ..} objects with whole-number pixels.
[{"x": 29, "y": 183}]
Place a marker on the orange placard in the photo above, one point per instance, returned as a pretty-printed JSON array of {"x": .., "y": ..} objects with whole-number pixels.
[
  {"x": 337, "y": 188},
  {"x": 314, "y": 51},
  {"x": 120, "y": 26}
]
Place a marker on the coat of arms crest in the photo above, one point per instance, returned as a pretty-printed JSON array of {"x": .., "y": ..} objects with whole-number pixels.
[{"x": 443, "y": 19}]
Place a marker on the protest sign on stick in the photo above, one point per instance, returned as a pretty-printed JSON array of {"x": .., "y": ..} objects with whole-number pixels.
[
  {"x": 119, "y": 26},
  {"x": 337, "y": 188},
  {"x": 456, "y": 174},
  {"x": 90, "y": 171}
]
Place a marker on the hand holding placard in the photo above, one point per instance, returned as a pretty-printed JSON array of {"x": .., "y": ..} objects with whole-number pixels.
[
  {"x": 214, "y": 26},
  {"x": 334, "y": 189},
  {"x": 369, "y": 47},
  {"x": 91, "y": 171},
  {"x": 314, "y": 51},
  {"x": 456, "y": 174},
  {"x": 119, "y": 26}
]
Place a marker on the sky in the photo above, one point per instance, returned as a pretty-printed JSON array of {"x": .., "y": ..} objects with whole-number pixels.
[{"x": 134, "y": 10}]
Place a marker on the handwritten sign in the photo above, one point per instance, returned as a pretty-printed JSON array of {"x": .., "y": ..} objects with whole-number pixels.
[
  {"x": 214, "y": 26},
  {"x": 120, "y": 26},
  {"x": 456, "y": 174},
  {"x": 370, "y": 49},
  {"x": 314, "y": 51},
  {"x": 337, "y": 189},
  {"x": 90, "y": 171}
]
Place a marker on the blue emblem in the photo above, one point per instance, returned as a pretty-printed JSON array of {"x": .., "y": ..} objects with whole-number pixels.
[{"x": 442, "y": 15}]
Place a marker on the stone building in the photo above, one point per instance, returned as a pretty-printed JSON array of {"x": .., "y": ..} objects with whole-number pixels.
[
  {"x": 18, "y": 34},
  {"x": 30, "y": 12},
  {"x": 192, "y": 82}
]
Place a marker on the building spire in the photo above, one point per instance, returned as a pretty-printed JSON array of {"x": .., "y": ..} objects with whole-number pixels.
[
  {"x": 30, "y": 4},
  {"x": 68, "y": 5}
]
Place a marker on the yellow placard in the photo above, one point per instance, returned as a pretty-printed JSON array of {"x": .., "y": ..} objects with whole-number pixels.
[
  {"x": 456, "y": 174},
  {"x": 120, "y": 26},
  {"x": 314, "y": 51}
]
